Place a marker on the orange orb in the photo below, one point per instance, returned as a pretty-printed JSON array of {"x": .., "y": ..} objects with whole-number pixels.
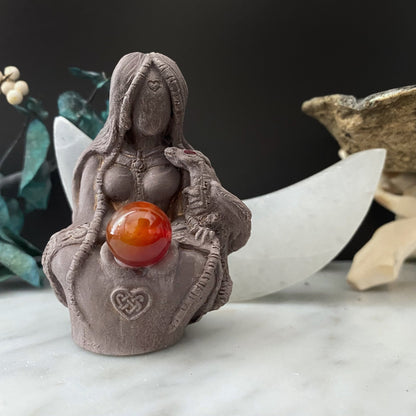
[{"x": 139, "y": 234}]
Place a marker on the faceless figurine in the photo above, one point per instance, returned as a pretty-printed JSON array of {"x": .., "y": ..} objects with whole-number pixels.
[{"x": 138, "y": 176}]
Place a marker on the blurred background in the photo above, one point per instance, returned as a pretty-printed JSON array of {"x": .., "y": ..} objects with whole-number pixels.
[{"x": 249, "y": 66}]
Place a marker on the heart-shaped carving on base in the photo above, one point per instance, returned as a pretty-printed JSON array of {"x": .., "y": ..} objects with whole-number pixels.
[{"x": 131, "y": 303}]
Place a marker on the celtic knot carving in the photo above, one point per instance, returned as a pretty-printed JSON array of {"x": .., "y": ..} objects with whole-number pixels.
[{"x": 131, "y": 303}]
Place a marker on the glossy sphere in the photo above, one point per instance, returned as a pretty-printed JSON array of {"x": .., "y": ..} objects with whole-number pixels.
[{"x": 139, "y": 234}]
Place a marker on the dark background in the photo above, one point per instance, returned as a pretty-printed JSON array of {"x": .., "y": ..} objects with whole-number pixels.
[{"x": 249, "y": 66}]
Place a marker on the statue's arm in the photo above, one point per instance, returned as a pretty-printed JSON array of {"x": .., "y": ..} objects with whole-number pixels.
[
  {"x": 210, "y": 209},
  {"x": 84, "y": 205},
  {"x": 219, "y": 210},
  {"x": 234, "y": 215}
]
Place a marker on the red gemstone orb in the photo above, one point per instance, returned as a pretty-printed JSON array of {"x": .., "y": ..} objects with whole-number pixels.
[{"x": 139, "y": 234}]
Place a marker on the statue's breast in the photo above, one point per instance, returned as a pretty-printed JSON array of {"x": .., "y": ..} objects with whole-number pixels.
[
  {"x": 118, "y": 183},
  {"x": 151, "y": 179}
]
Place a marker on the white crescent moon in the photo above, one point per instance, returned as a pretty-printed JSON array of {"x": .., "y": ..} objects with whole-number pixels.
[
  {"x": 295, "y": 231},
  {"x": 299, "y": 229},
  {"x": 69, "y": 142}
]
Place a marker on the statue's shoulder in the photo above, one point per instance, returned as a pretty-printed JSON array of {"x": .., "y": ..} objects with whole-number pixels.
[
  {"x": 85, "y": 173},
  {"x": 88, "y": 164}
]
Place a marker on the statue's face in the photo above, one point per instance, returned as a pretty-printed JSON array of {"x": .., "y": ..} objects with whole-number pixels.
[{"x": 152, "y": 111}]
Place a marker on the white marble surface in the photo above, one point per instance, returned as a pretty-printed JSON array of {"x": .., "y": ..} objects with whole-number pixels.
[{"x": 316, "y": 348}]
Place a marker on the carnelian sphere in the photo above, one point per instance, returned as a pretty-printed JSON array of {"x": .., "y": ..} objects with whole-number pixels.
[{"x": 139, "y": 234}]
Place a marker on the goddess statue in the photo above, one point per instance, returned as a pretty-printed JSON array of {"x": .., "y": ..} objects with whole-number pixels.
[{"x": 141, "y": 161}]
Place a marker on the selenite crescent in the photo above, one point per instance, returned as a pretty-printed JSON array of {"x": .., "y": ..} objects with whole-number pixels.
[
  {"x": 299, "y": 229},
  {"x": 69, "y": 142}
]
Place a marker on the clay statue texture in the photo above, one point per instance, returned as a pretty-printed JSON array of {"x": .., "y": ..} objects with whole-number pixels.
[{"x": 142, "y": 155}]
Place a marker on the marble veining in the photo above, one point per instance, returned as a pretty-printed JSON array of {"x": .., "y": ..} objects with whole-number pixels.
[{"x": 316, "y": 348}]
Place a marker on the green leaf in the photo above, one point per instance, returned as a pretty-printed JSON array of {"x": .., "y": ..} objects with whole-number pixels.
[
  {"x": 81, "y": 73},
  {"x": 11, "y": 216},
  {"x": 99, "y": 79},
  {"x": 16, "y": 215},
  {"x": 75, "y": 108},
  {"x": 104, "y": 114},
  {"x": 11, "y": 237},
  {"x": 22, "y": 109},
  {"x": 36, "y": 193},
  {"x": 37, "y": 144},
  {"x": 11, "y": 223},
  {"x": 20, "y": 263},
  {"x": 4, "y": 212},
  {"x": 32, "y": 107},
  {"x": 103, "y": 83},
  {"x": 34, "y": 180},
  {"x": 36, "y": 107},
  {"x": 5, "y": 274}
]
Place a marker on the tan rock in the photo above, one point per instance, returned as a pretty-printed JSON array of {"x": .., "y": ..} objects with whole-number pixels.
[
  {"x": 387, "y": 120},
  {"x": 383, "y": 120},
  {"x": 380, "y": 260}
]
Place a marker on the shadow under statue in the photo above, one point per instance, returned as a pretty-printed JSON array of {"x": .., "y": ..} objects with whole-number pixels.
[{"x": 142, "y": 155}]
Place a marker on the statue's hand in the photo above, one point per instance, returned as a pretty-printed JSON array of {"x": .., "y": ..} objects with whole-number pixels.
[
  {"x": 204, "y": 235},
  {"x": 202, "y": 225}
]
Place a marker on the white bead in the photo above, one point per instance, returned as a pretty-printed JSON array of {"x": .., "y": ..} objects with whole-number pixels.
[
  {"x": 1, "y": 76},
  {"x": 13, "y": 72},
  {"x": 22, "y": 87},
  {"x": 14, "y": 97},
  {"x": 6, "y": 86}
]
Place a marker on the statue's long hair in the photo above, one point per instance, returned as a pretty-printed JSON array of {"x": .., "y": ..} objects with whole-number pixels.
[{"x": 127, "y": 80}]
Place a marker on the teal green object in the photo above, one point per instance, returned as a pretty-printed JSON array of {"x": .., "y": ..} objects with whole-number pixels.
[
  {"x": 16, "y": 215},
  {"x": 5, "y": 274},
  {"x": 9, "y": 232},
  {"x": 36, "y": 193},
  {"x": 4, "y": 212},
  {"x": 76, "y": 109},
  {"x": 35, "y": 183},
  {"x": 99, "y": 79},
  {"x": 11, "y": 237},
  {"x": 18, "y": 263},
  {"x": 33, "y": 107},
  {"x": 15, "y": 251},
  {"x": 104, "y": 114},
  {"x": 11, "y": 215},
  {"x": 36, "y": 107}
]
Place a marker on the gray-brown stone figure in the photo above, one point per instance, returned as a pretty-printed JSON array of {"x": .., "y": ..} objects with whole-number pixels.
[{"x": 117, "y": 307}]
